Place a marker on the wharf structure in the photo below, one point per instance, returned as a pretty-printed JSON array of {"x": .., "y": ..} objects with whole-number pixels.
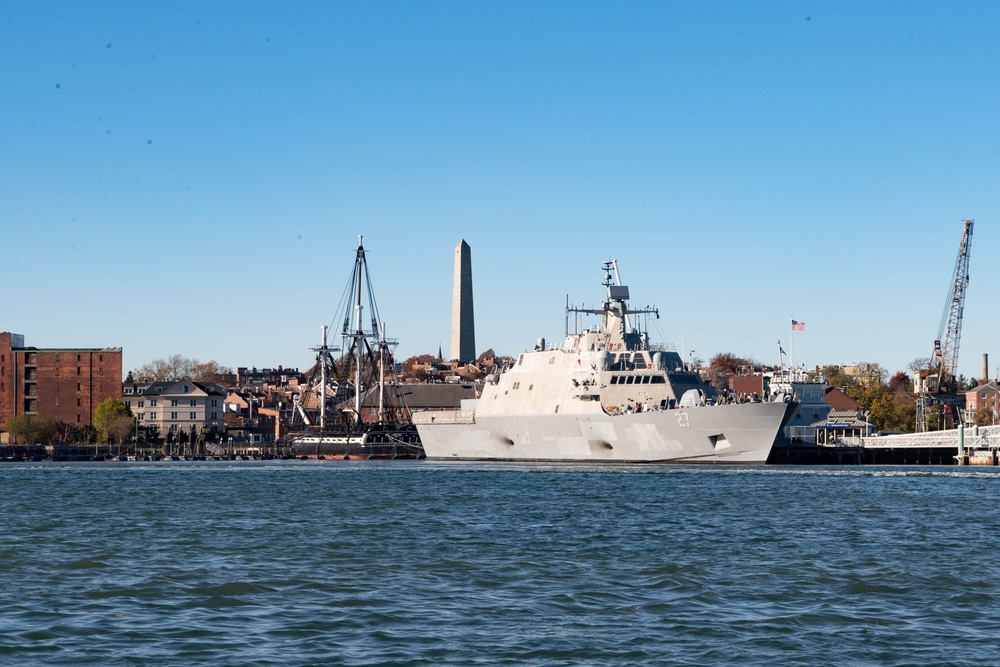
[
  {"x": 65, "y": 383},
  {"x": 979, "y": 445}
]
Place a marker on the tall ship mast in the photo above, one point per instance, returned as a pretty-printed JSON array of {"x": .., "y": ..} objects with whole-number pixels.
[
  {"x": 353, "y": 406},
  {"x": 607, "y": 394}
]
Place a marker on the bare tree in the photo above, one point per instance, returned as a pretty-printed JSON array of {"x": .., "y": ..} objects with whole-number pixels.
[
  {"x": 120, "y": 427},
  {"x": 177, "y": 367}
]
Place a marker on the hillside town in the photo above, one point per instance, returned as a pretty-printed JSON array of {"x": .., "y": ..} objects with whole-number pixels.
[
  {"x": 53, "y": 398},
  {"x": 77, "y": 402}
]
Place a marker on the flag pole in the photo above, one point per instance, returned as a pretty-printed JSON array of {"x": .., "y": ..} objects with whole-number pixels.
[
  {"x": 781, "y": 358},
  {"x": 791, "y": 347}
]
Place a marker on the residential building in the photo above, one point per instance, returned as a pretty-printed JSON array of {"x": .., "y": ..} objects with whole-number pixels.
[
  {"x": 65, "y": 383},
  {"x": 167, "y": 410}
]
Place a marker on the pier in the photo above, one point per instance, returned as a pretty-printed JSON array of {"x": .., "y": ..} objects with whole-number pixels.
[{"x": 979, "y": 446}]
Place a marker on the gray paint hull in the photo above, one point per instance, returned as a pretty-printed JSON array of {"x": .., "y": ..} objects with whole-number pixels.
[{"x": 740, "y": 433}]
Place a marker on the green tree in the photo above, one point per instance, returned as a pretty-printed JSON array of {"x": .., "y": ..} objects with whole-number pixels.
[
  {"x": 107, "y": 418},
  {"x": 33, "y": 428},
  {"x": 836, "y": 377}
]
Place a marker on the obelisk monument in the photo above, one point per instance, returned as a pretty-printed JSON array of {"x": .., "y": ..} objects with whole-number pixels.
[{"x": 463, "y": 326}]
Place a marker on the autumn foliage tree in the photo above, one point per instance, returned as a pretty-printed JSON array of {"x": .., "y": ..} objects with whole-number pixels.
[
  {"x": 725, "y": 365},
  {"x": 413, "y": 368},
  {"x": 889, "y": 405}
]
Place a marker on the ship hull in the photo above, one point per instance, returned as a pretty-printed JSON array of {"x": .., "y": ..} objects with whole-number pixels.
[
  {"x": 379, "y": 442},
  {"x": 739, "y": 433}
]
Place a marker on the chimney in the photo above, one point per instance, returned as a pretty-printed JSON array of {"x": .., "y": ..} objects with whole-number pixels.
[{"x": 986, "y": 369}]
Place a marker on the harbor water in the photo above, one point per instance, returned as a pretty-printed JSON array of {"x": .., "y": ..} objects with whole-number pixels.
[{"x": 423, "y": 563}]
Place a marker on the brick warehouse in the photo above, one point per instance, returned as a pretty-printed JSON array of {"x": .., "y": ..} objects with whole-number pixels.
[{"x": 63, "y": 383}]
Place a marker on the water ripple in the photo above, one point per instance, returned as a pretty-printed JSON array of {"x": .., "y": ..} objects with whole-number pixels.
[{"x": 416, "y": 563}]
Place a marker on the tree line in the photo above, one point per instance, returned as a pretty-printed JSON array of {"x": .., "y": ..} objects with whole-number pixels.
[{"x": 113, "y": 422}]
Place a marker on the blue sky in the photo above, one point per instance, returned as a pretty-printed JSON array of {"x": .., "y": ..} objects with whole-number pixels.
[{"x": 191, "y": 178}]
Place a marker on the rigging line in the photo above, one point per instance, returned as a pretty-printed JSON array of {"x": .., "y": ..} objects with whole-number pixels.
[
  {"x": 372, "y": 306},
  {"x": 342, "y": 306}
]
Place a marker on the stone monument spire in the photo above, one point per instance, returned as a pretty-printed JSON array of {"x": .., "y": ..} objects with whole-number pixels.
[{"x": 463, "y": 327}]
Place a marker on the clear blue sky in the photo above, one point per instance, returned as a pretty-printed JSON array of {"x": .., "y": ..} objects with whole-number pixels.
[{"x": 188, "y": 177}]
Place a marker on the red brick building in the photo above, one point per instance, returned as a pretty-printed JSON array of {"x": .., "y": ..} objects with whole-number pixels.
[
  {"x": 984, "y": 396},
  {"x": 63, "y": 383}
]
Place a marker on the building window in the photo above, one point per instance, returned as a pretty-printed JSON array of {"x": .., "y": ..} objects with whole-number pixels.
[
  {"x": 78, "y": 403},
  {"x": 215, "y": 416},
  {"x": 78, "y": 384},
  {"x": 215, "y": 403},
  {"x": 142, "y": 404},
  {"x": 78, "y": 419},
  {"x": 152, "y": 402},
  {"x": 173, "y": 415},
  {"x": 173, "y": 402},
  {"x": 78, "y": 371},
  {"x": 194, "y": 402},
  {"x": 78, "y": 357},
  {"x": 152, "y": 416},
  {"x": 185, "y": 388},
  {"x": 193, "y": 416},
  {"x": 128, "y": 404}
]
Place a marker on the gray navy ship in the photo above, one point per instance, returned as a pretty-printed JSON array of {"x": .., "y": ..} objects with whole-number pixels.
[{"x": 606, "y": 395}]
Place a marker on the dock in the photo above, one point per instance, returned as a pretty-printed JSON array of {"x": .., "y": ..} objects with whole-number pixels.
[{"x": 978, "y": 446}]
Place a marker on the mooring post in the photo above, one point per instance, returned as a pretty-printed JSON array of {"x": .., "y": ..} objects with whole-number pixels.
[{"x": 961, "y": 444}]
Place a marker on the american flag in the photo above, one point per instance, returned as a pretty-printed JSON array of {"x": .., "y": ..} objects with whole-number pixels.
[{"x": 798, "y": 326}]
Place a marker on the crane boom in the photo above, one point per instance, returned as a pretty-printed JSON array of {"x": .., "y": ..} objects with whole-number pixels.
[{"x": 945, "y": 357}]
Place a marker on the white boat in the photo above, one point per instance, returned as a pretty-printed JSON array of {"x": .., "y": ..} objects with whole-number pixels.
[{"x": 606, "y": 395}]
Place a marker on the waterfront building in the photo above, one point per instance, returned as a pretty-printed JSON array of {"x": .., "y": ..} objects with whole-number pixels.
[
  {"x": 65, "y": 383},
  {"x": 813, "y": 410},
  {"x": 172, "y": 409},
  {"x": 984, "y": 396}
]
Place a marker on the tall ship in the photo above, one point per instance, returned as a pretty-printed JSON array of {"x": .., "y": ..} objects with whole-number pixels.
[
  {"x": 606, "y": 395},
  {"x": 352, "y": 406}
]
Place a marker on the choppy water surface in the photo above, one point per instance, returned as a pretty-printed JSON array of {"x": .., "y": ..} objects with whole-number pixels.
[{"x": 406, "y": 563}]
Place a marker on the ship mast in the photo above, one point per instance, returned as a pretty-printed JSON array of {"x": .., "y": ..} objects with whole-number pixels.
[
  {"x": 615, "y": 305},
  {"x": 323, "y": 358},
  {"x": 360, "y": 344},
  {"x": 359, "y": 335}
]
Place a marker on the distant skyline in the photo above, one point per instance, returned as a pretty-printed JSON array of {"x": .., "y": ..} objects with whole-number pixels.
[{"x": 191, "y": 178}]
